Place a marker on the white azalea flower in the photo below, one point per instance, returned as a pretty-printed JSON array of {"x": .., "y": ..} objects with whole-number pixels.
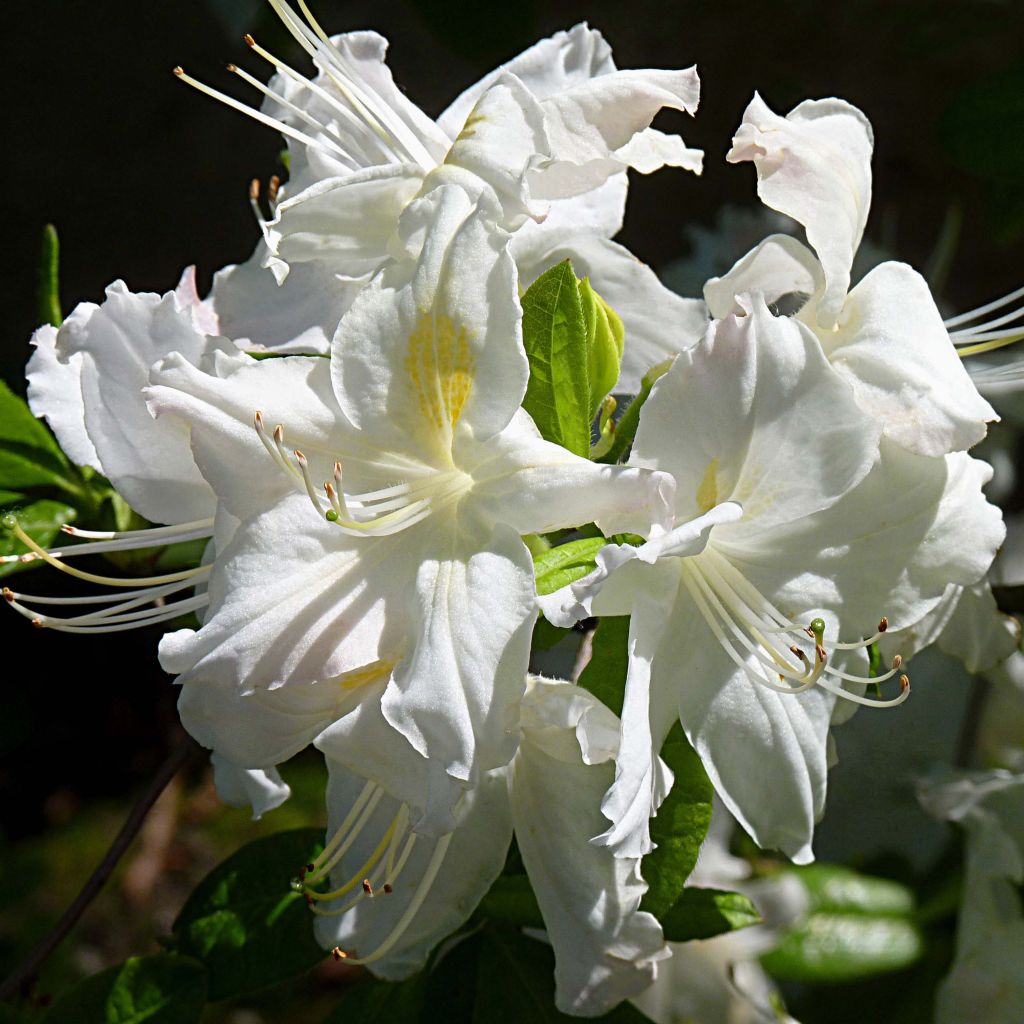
[
  {"x": 405, "y": 582},
  {"x": 260, "y": 789},
  {"x": 986, "y": 981},
  {"x": 793, "y": 523},
  {"x": 886, "y": 335},
  {"x": 551, "y": 132},
  {"x": 396, "y": 893}
]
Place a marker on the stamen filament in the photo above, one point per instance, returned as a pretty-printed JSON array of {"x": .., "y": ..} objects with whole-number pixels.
[
  {"x": 343, "y": 828},
  {"x": 328, "y": 864},
  {"x": 364, "y": 869},
  {"x": 151, "y": 531},
  {"x": 998, "y": 341},
  {"x": 973, "y": 314}
]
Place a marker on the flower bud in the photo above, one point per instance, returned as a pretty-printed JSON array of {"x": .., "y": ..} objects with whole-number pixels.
[{"x": 605, "y": 339}]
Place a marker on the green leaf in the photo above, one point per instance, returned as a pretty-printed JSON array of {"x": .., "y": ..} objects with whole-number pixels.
[
  {"x": 704, "y": 913},
  {"x": 48, "y": 290},
  {"x": 625, "y": 429},
  {"x": 605, "y": 674},
  {"x": 545, "y": 636},
  {"x": 679, "y": 827},
  {"x": 29, "y": 455},
  {"x": 555, "y": 337},
  {"x": 516, "y": 983},
  {"x": 558, "y": 567},
  {"x": 246, "y": 923},
  {"x": 857, "y": 926},
  {"x": 511, "y": 899},
  {"x": 382, "y": 1002},
  {"x": 845, "y": 947},
  {"x": 161, "y": 989},
  {"x": 42, "y": 521}
]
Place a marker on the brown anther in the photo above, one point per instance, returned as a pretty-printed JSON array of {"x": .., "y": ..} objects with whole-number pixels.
[
  {"x": 254, "y": 189},
  {"x": 30, "y": 557},
  {"x": 249, "y": 41},
  {"x": 904, "y": 683},
  {"x": 259, "y": 419},
  {"x": 883, "y": 625},
  {"x": 820, "y": 652},
  {"x": 232, "y": 68},
  {"x": 8, "y": 594},
  {"x": 299, "y": 456},
  {"x": 339, "y": 954},
  {"x": 367, "y": 888},
  {"x": 67, "y": 529},
  {"x": 38, "y": 623},
  {"x": 897, "y": 661},
  {"x": 179, "y": 71},
  {"x": 798, "y": 652},
  {"x": 387, "y": 888},
  {"x": 272, "y": 186},
  {"x": 329, "y": 488},
  {"x": 302, "y": 874},
  {"x": 279, "y": 433},
  {"x": 809, "y": 631}
]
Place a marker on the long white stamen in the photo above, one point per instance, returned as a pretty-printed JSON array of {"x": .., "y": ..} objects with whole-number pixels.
[
  {"x": 307, "y": 480},
  {"x": 150, "y": 593},
  {"x": 164, "y": 533},
  {"x": 256, "y": 115},
  {"x": 347, "y": 839},
  {"x": 967, "y": 333},
  {"x": 973, "y": 314},
  {"x": 109, "y": 623}
]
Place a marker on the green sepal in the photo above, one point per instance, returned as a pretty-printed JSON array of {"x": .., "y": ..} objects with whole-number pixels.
[
  {"x": 606, "y": 337},
  {"x": 48, "y": 285},
  {"x": 559, "y": 566}
]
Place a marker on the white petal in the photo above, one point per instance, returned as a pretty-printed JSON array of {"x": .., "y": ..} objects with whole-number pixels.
[
  {"x": 546, "y": 68},
  {"x": 780, "y": 265},
  {"x": 814, "y": 165},
  {"x": 892, "y": 347},
  {"x": 658, "y": 322},
  {"x": 346, "y": 223},
  {"x": 55, "y": 391},
  {"x": 299, "y": 315},
  {"x": 536, "y": 486},
  {"x": 597, "y": 212},
  {"x": 650, "y": 150},
  {"x": 455, "y": 696},
  {"x": 434, "y": 346},
  {"x": 113, "y": 346},
  {"x": 589, "y": 123},
  {"x": 713, "y": 421},
  {"x": 474, "y": 858},
  {"x": 605, "y": 947},
  {"x": 978, "y": 632},
  {"x": 261, "y": 789}
]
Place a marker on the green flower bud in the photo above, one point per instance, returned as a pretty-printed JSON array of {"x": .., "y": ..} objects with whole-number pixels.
[{"x": 606, "y": 337}]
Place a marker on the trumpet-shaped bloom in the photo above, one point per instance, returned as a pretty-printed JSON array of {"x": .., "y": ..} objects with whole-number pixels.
[
  {"x": 418, "y": 888},
  {"x": 793, "y": 524},
  {"x": 551, "y": 133},
  {"x": 403, "y": 581},
  {"x": 886, "y": 335}
]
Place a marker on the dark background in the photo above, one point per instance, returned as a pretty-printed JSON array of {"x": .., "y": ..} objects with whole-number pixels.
[{"x": 143, "y": 176}]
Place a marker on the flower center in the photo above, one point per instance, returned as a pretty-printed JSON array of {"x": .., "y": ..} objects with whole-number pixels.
[{"x": 771, "y": 649}]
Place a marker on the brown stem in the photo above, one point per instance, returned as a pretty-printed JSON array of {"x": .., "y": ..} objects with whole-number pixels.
[{"x": 27, "y": 971}]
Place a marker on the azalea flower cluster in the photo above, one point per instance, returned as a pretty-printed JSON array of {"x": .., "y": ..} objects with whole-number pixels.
[{"x": 341, "y": 419}]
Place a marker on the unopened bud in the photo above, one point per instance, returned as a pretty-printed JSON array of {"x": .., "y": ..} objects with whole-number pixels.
[{"x": 606, "y": 338}]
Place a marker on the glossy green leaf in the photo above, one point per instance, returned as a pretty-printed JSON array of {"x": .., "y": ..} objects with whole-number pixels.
[
  {"x": 555, "y": 338},
  {"x": 833, "y": 888},
  {"x": 845, "y": 947},
  {"x": 373, "y": 1001},
  {"x": 516, "y": 983},
  {"x": 29, "y": 455},
  {"x": 42, "y": 521},
  {"x": 161, "y": 989},
  {"x": 48, "y": 287},
  {"x": 559, "y": 566},
  {"x": 605, "y": 674},
  {"x": 704, "y": 913},
  {"x": 245, "y": 922},
  {"x": 679, "y": 827}
]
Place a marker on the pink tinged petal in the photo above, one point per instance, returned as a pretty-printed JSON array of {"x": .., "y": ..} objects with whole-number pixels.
[
  {"x": 219, "y": 412},
  {"x": 294, "y": 601},
  {"x": 149, "y": 462},
  {"x": 605, "y": 948},
  {"x": 590, "y": 122},
  {"x": 345, "y": 223},
  {"x": 814, "y": 165},
  {"x": 535, "y": 486},
  {"x": 713, "y": 421},
  {"x": 474, "y": 857},
  {"x": 187, "y": 297},
  {"x": 262, "y": 789},
  {"x": 892, "y": 347},
  {"x": 503, "y": 138},
  {"x": 658, "y": 322},
  {"x": 432, "y": 347},
  {"x": 455, "y": 695},
  {"x": 55, "y": 391},
  {"x": 299, "y": 315},
  {"x": 778, "y": 266},
  {"x": 547, "y": 68}
]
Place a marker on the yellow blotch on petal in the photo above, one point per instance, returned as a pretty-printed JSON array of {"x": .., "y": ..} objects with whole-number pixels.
[
  {"x": 440, "y": 365},
  {"x": 367, "y": 674},
  {"x": 707, "y": 492}
]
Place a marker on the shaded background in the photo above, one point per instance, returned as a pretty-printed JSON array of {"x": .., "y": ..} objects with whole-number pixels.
[{"x": 143, "y": 177}]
